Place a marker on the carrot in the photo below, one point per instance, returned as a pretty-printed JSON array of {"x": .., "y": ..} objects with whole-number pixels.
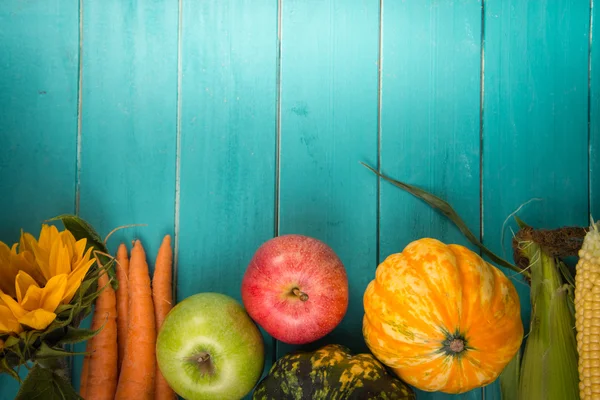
[
  {"x": 138, "y": 371},
  {"x": 122, "y": 299},
  {"x": 85, "y": 369},
  {"x": 162, "y": 294},
  {"x": 101, "y": 382}
]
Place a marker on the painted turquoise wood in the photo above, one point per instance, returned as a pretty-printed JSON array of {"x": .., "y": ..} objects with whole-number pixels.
[
  {"x": 594, "y": 134},
  {"x": 430, "y": 123},
  {"x": 535, "y": 121},
  {"x": 329, "y": 95},
  {"x": 128, "y": 117},
  {"x": 228, "y": 131},
  {"x": 180, "y": 128},
  {"x": 38, "y": 122}
]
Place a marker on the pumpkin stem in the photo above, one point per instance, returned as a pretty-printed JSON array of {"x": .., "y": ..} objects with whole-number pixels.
[
  {"x": 303, "y": 296},
  {"x": 457, "y": 345}
]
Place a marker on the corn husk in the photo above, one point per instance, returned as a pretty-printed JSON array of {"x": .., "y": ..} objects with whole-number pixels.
[
  {"x": 510, "y": 378},
  {"x": 549, "y": 365}
]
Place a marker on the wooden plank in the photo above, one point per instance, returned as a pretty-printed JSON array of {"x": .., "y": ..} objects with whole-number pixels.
[
  {"x": 430, "y": 123},
  {"x": 129, "y": 109},
  {"x": 329, "y": 125},
  {"x": 38, "y": 124},
  {"x": 228, "y": 132},
  {"x": 535, "y": 121},
  {"x": 594, "y": 134}
]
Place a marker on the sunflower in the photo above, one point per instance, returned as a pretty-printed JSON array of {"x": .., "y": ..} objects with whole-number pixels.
[{"x": 37, "y": 276}]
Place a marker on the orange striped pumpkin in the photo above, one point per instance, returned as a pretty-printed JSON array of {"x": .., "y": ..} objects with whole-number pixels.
[{"x": 441, "y": 317}]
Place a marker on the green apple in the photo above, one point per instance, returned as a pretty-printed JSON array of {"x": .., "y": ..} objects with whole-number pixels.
[{"x": 209, "y": 348}]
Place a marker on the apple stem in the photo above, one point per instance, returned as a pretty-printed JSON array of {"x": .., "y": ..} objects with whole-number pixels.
[
  {"x": 202, "y": 357},
  {"x": 303, "y": 296},
  {"x": 203, "y": 362}
]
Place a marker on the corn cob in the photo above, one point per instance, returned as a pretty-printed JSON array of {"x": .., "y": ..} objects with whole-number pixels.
[{"x": 587, "y": 314}]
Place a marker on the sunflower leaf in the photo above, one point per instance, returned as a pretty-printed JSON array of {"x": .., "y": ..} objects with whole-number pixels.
[
  {"x": 45, "y": 352},
  {"x": 11, "y": 341},
  {"x": 76, "y": 335},
  {"x": 44, "y": 384},
  {"x": 81, "y": 229}
]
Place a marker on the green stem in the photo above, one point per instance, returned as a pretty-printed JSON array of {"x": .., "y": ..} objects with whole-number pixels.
[{"x": 452, "y": 215}]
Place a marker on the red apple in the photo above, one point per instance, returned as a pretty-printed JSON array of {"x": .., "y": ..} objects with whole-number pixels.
[{"x": 296, "y": 289}]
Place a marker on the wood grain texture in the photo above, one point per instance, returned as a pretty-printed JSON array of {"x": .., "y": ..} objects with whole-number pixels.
[
  {"x": 430, "y": 123},
  {"x": 536, "y": 142},
  {"x": 38, "y": 122},
  {"x": 594, "y": 134},
  {"x": 535, "y": 121},
  {"x": 228, "y": 133},
  {"x": 129, "y": 109},
  {"x": 329, "y": 125}
]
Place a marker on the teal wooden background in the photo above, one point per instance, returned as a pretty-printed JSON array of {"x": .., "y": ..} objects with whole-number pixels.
[{"x": 225, "y": 123}]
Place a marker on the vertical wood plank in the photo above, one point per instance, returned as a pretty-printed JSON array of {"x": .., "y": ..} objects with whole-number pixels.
[
  {"x": 39, "y": 55},
  {"x": 129, "y": 95},
  {"x": 329, "y": 125},
  {"x": 228, "y": 132},
  {"x": 535, "y": 121},
  {"x": 38, "y": 123},
  {"x": 594, "y": 134},
  {"x": 430, "y": 123}
]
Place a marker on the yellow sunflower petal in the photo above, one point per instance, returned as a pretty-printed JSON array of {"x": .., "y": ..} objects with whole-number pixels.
[
  {"x": 25, "y": 242},
  {"x": 8, "y": 272},
  {"x": 8, "y": 322},
  {"x": 24, "y": 260},
  {"x": 60, "y": 261},
  {"x": 4, "y": 252},
  {"x": 14, "y": 307},
  {"x": 75, "y": 279},
  {"x": 48, "y": 235},
  {"x": 69, "y": 241},
  {"x": 38, "y": 319},
  {"x": 80, "y": 248},
  {"x": 83, "y": 261},
  {"x": 53, "y": 292},
  {"x": 42, "y": 258},
  {"x": 22, "y": 284},
  {"x": 32, "y": 299}
]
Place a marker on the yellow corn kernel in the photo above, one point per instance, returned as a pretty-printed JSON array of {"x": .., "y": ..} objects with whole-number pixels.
[{"x": 587, "y": 314}]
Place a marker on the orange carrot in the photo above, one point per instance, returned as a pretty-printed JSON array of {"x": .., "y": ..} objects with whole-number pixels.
[
  {"x": 138, "y": 371},
  {"x": 102, "y": 376},
  {"x": 85, "y": 369},
  {"x": 162, "y": 294},
  {"x": 122, "y": 299}
]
